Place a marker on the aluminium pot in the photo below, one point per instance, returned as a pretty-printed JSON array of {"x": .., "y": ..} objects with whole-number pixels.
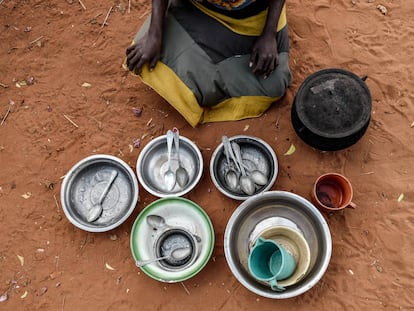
[{"x": 332, "y": 109}]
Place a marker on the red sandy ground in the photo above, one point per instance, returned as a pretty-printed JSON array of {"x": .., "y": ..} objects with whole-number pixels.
[{"x": 61, "y": 45}]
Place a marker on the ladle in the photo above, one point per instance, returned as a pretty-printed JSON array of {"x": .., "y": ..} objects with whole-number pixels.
[
  {"x": 158, "y": 222},
  {"x": 231, "y": 175},
  {"x": 97, "y": 208},
  {"x": 246, "y": 183},
  {"x": 169, "y": 176},
  {"x": 181, "y": 173},
  {"x": 178, "y": 253}
]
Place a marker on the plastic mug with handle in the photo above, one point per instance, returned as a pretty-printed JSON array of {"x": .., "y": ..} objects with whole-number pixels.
[
  {"x": 270, "y": 262},
  {"x": 332, "y": 192}
]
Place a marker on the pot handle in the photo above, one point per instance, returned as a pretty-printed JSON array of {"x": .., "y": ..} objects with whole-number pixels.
[{"x": 364, "y": 78}]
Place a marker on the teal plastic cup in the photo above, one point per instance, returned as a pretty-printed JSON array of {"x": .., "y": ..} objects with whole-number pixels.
[{"x": 271, "y": 262}]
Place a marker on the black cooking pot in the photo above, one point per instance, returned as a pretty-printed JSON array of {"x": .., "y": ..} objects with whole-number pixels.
[{"x": 332, "y": 109}]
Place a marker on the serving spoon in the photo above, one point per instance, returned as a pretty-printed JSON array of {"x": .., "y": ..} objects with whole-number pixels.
[
  {"x": 181, "y": 173},
  {"x": 177, "y": 253},
  {"x": 230, "y": 175},
  {"x": 97, "y": 207},
  {"x": 246, "y": 183},
  {"x": 169, "y": 176}
]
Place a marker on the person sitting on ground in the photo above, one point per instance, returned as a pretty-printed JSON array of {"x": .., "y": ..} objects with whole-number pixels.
[{"x": 214, "y": 60}]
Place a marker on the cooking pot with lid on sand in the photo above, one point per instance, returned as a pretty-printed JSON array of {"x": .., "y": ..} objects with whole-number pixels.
[{"x": 332, "y": 109}]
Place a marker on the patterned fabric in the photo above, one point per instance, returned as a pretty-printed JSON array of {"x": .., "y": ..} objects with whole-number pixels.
[
  {"x": 238, "y": 9},
  {"x": 230, "y": 4}
]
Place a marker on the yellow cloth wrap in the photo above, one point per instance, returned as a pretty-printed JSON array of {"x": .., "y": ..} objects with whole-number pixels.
[
  {"x": 250, "y": 26},
  {"x": 166, "y": 83},
  {"x": 238, "y": 108}
]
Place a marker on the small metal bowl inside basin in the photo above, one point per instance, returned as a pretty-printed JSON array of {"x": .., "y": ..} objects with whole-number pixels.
[
  {"x": 84, "y": 185},
  {"x": 184, "y": 221},
  {"x": 256, "y": 155},
  {"x": 266, "y": 210},
  {"x": 152, "y": 164}
]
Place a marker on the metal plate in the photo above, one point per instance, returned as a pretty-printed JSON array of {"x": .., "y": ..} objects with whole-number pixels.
[{"x": 84, "y": 184}]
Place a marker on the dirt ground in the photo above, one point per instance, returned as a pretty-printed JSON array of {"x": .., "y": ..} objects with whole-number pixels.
[{"x": 65, "y": 96}]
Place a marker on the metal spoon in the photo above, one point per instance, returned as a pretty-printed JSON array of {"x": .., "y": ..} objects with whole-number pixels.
[
  {"x": 178, "y": 254},
  {"x": 246, "y": 183},
  {"x": 97, "y": 208},
  {"x": 231, "y": 176},
  {"x": 257, "y": 176},
  {"x": 158, "y": 222},
  {"x": 181, "y": 173},
  {"x": 169, "y": 176}
]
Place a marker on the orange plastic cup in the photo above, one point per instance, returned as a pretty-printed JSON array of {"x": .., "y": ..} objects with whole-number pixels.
[{"x": 332, "y": 192}]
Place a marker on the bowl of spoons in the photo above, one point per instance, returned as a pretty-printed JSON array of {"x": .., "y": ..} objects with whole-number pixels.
[
  {"x": 242, "y": 166},
  {"x": 170, "y": 165}
]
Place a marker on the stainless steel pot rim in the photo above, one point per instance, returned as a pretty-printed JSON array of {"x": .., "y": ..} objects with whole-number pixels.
[{"x": 304, "y": 284}]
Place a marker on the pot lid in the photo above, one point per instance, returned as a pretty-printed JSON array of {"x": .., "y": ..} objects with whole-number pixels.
[{"x": 333, "y": 103}]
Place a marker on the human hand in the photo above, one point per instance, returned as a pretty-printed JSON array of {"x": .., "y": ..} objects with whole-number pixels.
[
  {"x": 264, "y": 55},
  {"x": 146, "y": 50}
]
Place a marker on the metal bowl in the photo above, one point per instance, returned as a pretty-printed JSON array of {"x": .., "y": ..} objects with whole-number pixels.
[
  {"x": 264, "y": 211},
  {"x": 187, "y": 224},
  {"x": 84, "y": 184},
  {"x": 256, "y": 154},
  {"x": 152, "y": 164}
]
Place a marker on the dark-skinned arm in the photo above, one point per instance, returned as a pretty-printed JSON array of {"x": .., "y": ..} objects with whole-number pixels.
[
  {"x": 264, "y": 55},
  {"x": 148, "y": 48}
]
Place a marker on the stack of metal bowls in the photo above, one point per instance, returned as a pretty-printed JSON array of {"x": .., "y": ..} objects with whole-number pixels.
[
  {"x": 275, "y": 209},
  {"x": 167, "y": 224}
]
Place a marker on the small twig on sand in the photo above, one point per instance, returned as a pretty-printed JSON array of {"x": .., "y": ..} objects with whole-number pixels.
[
  {"x": 4, "y": 85},
  {"x": 94, "y": 18},
  {"x": 83, "y": 243},
  {"x": 56, "y": 202},
  {"x": 106, "y": 17},
  {"x": 129, "y": 6},
  {"x": 83, "y": 6},
  {"x": 103, "y": 25},
  {"x": 99, "y": 123},
  {"x": 63, "y": 303},
  {"x": 7, "y": 113},
  {"x": 56, "y": 262},
  {"x": 185, "y": 288},
  {"x": 73, "y": 123},
  {"x": 35, "y": 40}
]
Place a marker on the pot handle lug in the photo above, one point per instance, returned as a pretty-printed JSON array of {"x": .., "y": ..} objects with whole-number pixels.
[{"x": 364, "y": 78}]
